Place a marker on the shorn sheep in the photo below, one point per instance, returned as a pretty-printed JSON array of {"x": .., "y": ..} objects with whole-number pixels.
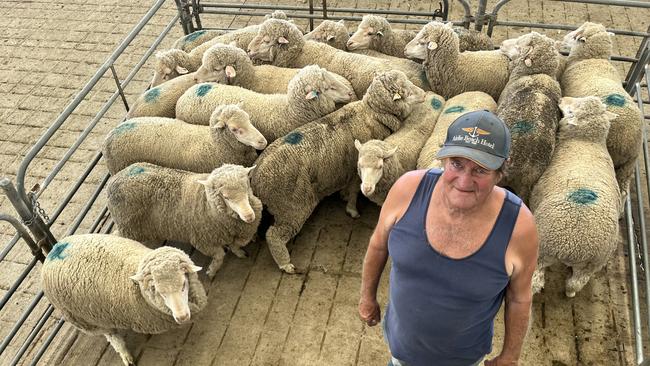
[
  {"x": 529, "y": 107},
  {"x": 318, "y": 159},
  {"x": 576, "y": 200},
  {"x": 209, "y": 211},
  {"x": 589, "y": 72},
  {"x": 104, "y": 284},
  {"x": 172, "y": 143},
  {"x": 189, "y": 42},
  {"x": 451, "y": 72},
  {"x": 453, "y": 108},
  {"x": 311, "y": 94},
  {"x": 330, "y": 32}
]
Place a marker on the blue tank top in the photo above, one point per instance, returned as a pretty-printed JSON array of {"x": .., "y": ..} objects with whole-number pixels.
[{"x": 441, "y": 310}]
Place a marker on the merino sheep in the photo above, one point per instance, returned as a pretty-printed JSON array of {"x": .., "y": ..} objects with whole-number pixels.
[
  {"x": 381, "y": 163},
  {"x": 576, "y": 200},
  {"x": 451, "y": 72},
  {"x": 315, "y": 160},
  {"x": 454, "y": 108},
  {"x": 172, "y": 143},
  {"x": 103, "y": 284},
  {"x": 330, "y": 32},
  {"x": 311, "y": 94},
  {"x": 529, "y": 106},
  {"x": 160, "y": 101},
  {"x": 281, "y": 43},
  {"x": 589, "y": 72},
  {"x": 189, "y": 42},
  {"x": 209, "y": 211}
]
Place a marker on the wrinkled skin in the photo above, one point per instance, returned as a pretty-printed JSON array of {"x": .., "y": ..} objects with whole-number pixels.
[
  {"x": 238, "y": 123},
  {"x": 220, "y": 64},
  {"x": 234, "y": 192},
  {"x": 418, "y": 46},
  {"x": 167, "y": 66},
  {"x": 370, "y": 164}
]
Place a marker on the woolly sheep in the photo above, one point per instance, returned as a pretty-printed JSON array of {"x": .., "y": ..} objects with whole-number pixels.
[
  {"x": 576, "y": 201},
  {"x": 172, "y": 143},
  {"x": 281, "y": 43},
  {"x": 310, "y": 95},
  {"x": 454, "y": 108},
  {"x": 189, "y": 42},
  {"x": 315, "y": 160},
  {"x": 451, "y": 72},
  {"x": 160, "y": 101},
  {"x": 381, "y": 163},
  {"x": 330, "y": 32},
  {"x": 529, "y": 106},
  {"x": 209, "y": 211},
  {"x": 375, "y": 33},
  {"x": 139, "y": 289},
  {"x": 589, "y": 72}
]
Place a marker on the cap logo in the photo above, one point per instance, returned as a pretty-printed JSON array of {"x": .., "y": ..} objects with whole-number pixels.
[{"x": 475, "y": 131}]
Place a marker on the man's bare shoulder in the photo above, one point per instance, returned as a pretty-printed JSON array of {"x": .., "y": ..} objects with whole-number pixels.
[
  {"x": 524, "y": 243},
  {"x": 405, "y": 186}
]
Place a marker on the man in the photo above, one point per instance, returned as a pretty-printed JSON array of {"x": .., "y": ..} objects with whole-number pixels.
[{"x": 459, "y": 245}]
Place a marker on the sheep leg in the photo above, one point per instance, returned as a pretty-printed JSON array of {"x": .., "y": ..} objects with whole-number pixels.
[
  {"x": 217, "y": 261},
  {"x": 119, "y": 344},
  {"x": 540, "y": 271},
  {"x": 580, "y": 276},
  {"x": 277, "y": 237},
  {"x": 350, "y": 194},
  {"x": 237, "y": 250},
  {"x": 624, "y": 175}
]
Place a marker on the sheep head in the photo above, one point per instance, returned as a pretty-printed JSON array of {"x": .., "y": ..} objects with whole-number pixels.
[
  {"x": 370, "y": 164},
  {"x": 237, "y": 122},
  {"x": 277, "y": 41},
  {"x": 167, "y": 280},
  {"x": 432, "y": 37},
  {"x": 391, "y": 92},
  {"x": 330, "y": 32},
  {"x": 532, "y": 53},
  {"x": 590, "y": 40},
  {"x": 584, "y": 118},
  {"x": 370, "y": 34},
  {"x": 231, "y": 184},
  {"x": 224, "y": 64},
  {"x": 169, "y": 64}
]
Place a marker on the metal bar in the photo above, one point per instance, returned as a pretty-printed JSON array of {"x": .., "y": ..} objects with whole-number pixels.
[
  {"x": 46, "y": 344},
  {"x": 632, "y": 4},
  {"x": 493, "y": 16},
  {"x": 89, "y": 204},
  {"x": 37, "y": 328},
  {"x": 205, "y": 8},
  {"x": 20, "y": 321},
  {"x": 638, "y": 341},
  {"x": 18, "y": 282},
  {"x": 480, "y": 15},
  {"x": 185, "y": 19},
  {"x": 324, "y": 5},
  {"x": 311, "y": 12},
  {"x": 24, "y": 234},
  {"x": 119, "y": 87},
  {"x": 636, "y": 72},
  {"x": 9, "y": 246},
  {"x": 98, "y": 220},
  {"x": 567, "y": 27}
]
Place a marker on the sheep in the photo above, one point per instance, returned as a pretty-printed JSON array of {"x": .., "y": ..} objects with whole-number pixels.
[
  {"x": 589, "y": 72},
  {"x": 160, "y": 101},
  {"x": 281, "y": 43},
  {"x": 172, "y": 143},
  {"x": 190, "y": 41},
  {"x": 576, "y": 201},
  {"x": 454, "y": 108},
  {"x": 529, "y": 107},
  {"x": 450, "y": 72},
  {"x": 173, "y": 63},
  {"x": 315, "y": 160},
  {"x": 330, "y": 32},
  {"x": 381, "y": 163},
  {"x": 311, "y": 94},
  {"x": 375, "y": 33},
  {"x": 209, "y": 211},
  {"x": 104, "y": 284}
]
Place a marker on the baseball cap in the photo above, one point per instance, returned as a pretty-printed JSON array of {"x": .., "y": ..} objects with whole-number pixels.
[{"x": 480, "y": 136}]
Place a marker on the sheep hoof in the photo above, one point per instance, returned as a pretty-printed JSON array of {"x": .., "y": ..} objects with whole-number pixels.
[
  {"x": 291, "y": 269},
  {"x": 352, "y": 212},
  {"x": 570, "y": 293},
  {"x": 239, "y": 252}
]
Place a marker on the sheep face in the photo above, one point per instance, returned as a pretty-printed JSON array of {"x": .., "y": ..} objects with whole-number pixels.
[
  {"x": 330, "y": 32},
  {"x": 333, "y": 88},
  {"x": 164, "y": 282},
  {"x": 532, "y": 53},
  {"x": 370, "y": 164},
  {"x": 585, "y": 114},
  {"x": 237, "y": 121},
  {"x": 168, "y": 66},
  {"x": 369, "y": 34},
  {"x": 392, "y": 92},
  {"x": 590, "y": 40},
  {"x": 509, "y": 48},
  {"x": 431, "y": 37},
  {"x": 230, "y": 184},
  {"x": 277, "y": 41},
  {"x": 221, "y": 64}
]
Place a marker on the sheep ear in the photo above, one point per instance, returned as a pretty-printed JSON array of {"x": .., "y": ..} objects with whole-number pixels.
[
  {"x": 528, "y": 62},
  {"x": 449, "y": 25},
  {"x": 248, "y": 170},
  {"x": 390, "y": 152},
  {"x": 432, "y": 45},
  {"x": 167, "y": 70},
  {"x": 341, "y": 22},
  {"x": 611, "y": 34},
  {"x": 191, "y": 268},
  {"x": 282, "y": 40},
  {"x": 379, "y": 33},
  {"x": 230, "y": 71},
  {"x": 610, "y": 116},
  {"x": 138, "y": 277},
  {"x": 582, "y": 39},
  {"x": 396, "y": 96},
  {"x": 330, "y": 38},
  {"x": 312, "y": 95},
  {"x": 357, "y": 144},
  {"x": 181, "y": 70}
]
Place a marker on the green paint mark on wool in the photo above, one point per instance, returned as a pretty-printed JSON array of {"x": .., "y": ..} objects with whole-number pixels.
[
  {"x": 123, "y": 127},
  {"x": 135, "y": 170},
  {"x": 454, "y": 109},
  {"x": 203, "y": 89},
  {"x": 583, "y": 196},
  {"x": 522, "y": 127},
  {"x": 436, "y": 104},
  {"x": 152, "y": 95},
  {"x": 293, "y": 138},
  {"x": 57, "y": 251},
  {"x": 193, "y": 36},
  {"x": 616, "y": 100}
]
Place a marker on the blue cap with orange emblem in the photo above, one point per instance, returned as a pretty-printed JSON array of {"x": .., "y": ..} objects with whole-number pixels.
[{"x": 480, "y": 136}]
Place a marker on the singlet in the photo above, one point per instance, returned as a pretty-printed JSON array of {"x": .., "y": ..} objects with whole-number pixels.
[{"x": 441, "y": 310}]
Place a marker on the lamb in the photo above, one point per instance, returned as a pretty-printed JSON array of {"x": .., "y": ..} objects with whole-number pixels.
[
  {"x": 375, "y": 33},
  {"x": 381, "y": 163},
  {"x": 281, "y": 43},
  {"x": 529, "y": 106},
  {"x": 230, "y": 138},
  {"x": 454, "y": 108},
  {"x": 190, "y": 41},
  {"x": 209, "y": 211},
  {"x": 576, "y": 201},
  {"x": 330, "y": 32},
  {"x": 139, "y": 289},
  {"x": 315, "y": 160},
  {"x": 450, "y": 72},
  {"x": 311, "y": 94},
  {"x": 589, "y": 72}
]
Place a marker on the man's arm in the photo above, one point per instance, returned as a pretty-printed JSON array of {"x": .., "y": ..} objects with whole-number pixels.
[{"x": 519, "y": 296}]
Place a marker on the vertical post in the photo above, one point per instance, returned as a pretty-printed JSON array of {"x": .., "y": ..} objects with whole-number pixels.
[
  {"x": 480, "y": 15},
  {"x": 311, "y": 12},
  {"x": 636, "y": 313},
  {"x": 324, "y": 4},
  {"x": 184, "y": 16}
]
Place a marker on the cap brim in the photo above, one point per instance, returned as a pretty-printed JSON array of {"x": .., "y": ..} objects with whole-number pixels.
[{"x": 486, "y": 160}]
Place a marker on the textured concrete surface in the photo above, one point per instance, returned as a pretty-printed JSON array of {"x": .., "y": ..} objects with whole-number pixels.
[{"x": 49, "y": 49}]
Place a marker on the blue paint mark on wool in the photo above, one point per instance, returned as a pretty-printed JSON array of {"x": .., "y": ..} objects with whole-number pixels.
[
  {"x": 135, "y": 170},
  {"x": 293, "y": 138},
  {"x": 123, "y": 127},
  {"x": 57, "y": 251},
  {"x": 193, "y": 36},
  {"x": 522, "y": 127},
  {"x": 455, "y": 109},
  {"x": 616, "y": 100},
  {"x": 436, "y": 104},
  {"x": 152, "y": 95},
  {"x": 583, "y": 196},
  {"x": 203, "y": 89}
]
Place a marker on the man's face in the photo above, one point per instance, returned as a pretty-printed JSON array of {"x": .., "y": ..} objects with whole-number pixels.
[{"x": 467, "y": 184}]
